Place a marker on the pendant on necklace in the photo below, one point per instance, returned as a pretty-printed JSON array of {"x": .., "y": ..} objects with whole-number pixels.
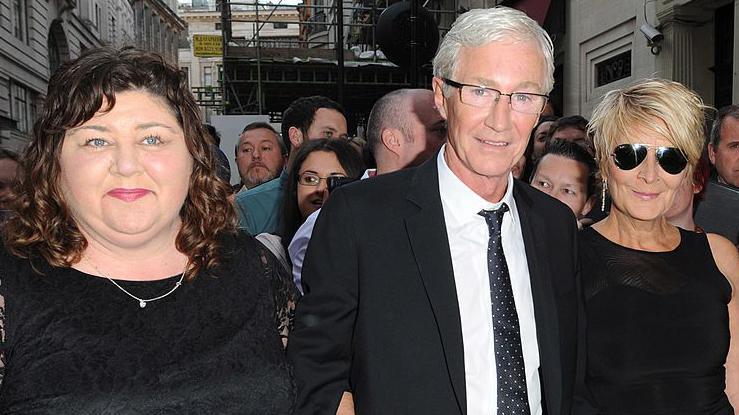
[{"x": 142, "y": 303}]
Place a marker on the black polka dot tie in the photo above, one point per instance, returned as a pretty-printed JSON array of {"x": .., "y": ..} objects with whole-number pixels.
[{"x": 512, "y": 395}]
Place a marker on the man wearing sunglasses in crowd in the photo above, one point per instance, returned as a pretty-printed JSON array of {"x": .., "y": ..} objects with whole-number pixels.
[
  {"x": 660, "y": 301},
  {"x": 466, "y": 276}
]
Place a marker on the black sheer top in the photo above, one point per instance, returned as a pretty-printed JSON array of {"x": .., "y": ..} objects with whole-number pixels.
[
  {"x": 657, "y": 327},
  {"x": 73, "y": 343}
]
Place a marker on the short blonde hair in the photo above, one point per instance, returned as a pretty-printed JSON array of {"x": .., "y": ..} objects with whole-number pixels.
[{"x": 665, "y": 107}]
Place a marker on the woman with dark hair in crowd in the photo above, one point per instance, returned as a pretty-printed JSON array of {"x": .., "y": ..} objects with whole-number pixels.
[
  {"x": 307, "y": 180},
  {"x": 661, "y": 306},
  {"x": 540, "y": 137},
  {"x": 125, "y": 285},
  {"x": 535, "y": 148}
]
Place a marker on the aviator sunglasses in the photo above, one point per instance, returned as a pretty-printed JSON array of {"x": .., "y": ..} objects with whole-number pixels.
[{"x": 629, "y": 156}]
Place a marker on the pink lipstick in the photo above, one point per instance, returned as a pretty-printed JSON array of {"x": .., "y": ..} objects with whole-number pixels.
[
  {"x": 645, "y": 195},
  {"x": 128, "y": 195}
]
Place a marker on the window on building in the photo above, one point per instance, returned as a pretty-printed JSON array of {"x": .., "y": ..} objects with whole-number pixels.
[
  {"x": 147, "y": 29},
  {"x": 20, "y": 20},
  {"x": 55, "y": 55},
  {"x": 613, "y": 69},
  {"x": 207, "y": 76},
  {"x": 279, "y": 25},
  {"x": 218, "y": 26},
  {"x": 97, "y": 16},
  {"x": 112, "y": 29},
  {"x": 22, "y": 106}
]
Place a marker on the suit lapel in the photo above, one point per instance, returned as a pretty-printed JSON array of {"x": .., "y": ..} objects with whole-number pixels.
[
  {"x": 428, "y": 239},
  {"x": 545, "y": 310}
]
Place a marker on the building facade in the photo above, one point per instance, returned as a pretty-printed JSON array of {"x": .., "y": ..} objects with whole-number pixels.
[
  {"x": 272, "y": 27},
  {"x": 158, "y": 27},
  {"x": 611, "y": 44},
  {"x": 37, "y": 36},
  {"x": 24, "y": 67}
]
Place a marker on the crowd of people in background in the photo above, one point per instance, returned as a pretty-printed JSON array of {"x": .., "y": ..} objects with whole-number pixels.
[{"x": 472, "y": 253}]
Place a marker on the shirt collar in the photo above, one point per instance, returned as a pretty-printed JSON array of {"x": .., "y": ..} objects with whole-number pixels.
[
  {"x": 462, "y": 200},
  {"x": 368, "y": 173},
  {"x": 283, "y": 176}
]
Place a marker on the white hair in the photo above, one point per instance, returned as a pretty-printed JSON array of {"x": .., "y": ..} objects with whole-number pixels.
[{"x": 478, "y": 27}]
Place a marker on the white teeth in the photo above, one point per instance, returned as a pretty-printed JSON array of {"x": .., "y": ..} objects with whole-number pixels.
[{"x": 495, "y": 143}]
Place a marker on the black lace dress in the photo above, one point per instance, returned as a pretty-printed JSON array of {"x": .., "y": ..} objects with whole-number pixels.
[
  {"x": 73, "y": 343},
  {"x": 657, "y": 327}
]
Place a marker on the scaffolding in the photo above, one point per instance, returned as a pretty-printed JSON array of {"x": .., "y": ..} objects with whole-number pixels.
[{"x": 335, "y": 53}]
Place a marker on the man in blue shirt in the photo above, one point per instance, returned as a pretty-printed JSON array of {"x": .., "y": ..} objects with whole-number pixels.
[{"x": 305, "y": 119}]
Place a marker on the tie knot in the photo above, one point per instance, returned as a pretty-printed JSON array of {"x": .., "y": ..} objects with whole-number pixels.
[{"x": 494, "y": 218}]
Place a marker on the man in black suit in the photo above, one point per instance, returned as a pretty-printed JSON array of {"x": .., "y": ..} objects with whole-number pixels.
[{"x": 449, "y": 288}]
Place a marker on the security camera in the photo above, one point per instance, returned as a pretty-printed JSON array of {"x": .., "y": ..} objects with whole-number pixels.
[{"x": 653, "y": 35}]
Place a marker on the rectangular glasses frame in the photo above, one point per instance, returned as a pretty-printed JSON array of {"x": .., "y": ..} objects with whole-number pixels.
[{"x": 460, "y": 85}]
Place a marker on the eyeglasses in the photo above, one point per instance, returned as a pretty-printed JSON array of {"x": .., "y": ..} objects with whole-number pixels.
[
  {"x": 312, "y": 179},
  {"x": 629, "y": 156},
  {"x": 482, "y": 97}
]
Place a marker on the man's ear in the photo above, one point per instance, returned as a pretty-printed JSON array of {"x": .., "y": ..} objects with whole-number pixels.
[
  {"x": 439, "y": 101},
  {"x": 588, "y": 206},
  {"x": 295, "y": 136},
  {"x": 391, "y": 140},
  {"x": 712, "y": 153}
]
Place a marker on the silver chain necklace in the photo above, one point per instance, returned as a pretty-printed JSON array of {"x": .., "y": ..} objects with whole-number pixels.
[{"x": 142, "y": 301}]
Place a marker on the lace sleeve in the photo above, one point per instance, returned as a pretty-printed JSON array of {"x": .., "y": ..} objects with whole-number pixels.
[{"x": 284, "y": 291}]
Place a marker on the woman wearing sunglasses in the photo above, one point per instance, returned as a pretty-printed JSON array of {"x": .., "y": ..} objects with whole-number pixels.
[{"x": 660, "y": 301}]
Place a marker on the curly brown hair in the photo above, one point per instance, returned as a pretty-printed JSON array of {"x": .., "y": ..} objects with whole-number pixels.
[{"x": 44, "y": 226}]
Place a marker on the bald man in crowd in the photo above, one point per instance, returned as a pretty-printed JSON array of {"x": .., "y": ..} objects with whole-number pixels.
[{"x": 404, "y": 129}]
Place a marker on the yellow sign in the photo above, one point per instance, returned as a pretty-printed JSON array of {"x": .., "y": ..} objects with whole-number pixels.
[{"x": 207, "y": 45}]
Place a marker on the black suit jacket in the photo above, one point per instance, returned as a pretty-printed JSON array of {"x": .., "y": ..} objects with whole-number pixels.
[{"x": 380, "y": 315}]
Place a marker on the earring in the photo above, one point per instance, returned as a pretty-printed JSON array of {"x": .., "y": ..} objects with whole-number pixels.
[{"x": 604, "y": 187}]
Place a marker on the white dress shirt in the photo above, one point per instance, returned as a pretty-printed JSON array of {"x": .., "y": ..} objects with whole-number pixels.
[
  {"x": 299, "y": 245},
  {"x": 468, "y": 243}
]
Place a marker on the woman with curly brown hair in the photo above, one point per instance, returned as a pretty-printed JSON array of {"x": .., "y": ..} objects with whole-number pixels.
[{"x": 124, "y": 285}]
